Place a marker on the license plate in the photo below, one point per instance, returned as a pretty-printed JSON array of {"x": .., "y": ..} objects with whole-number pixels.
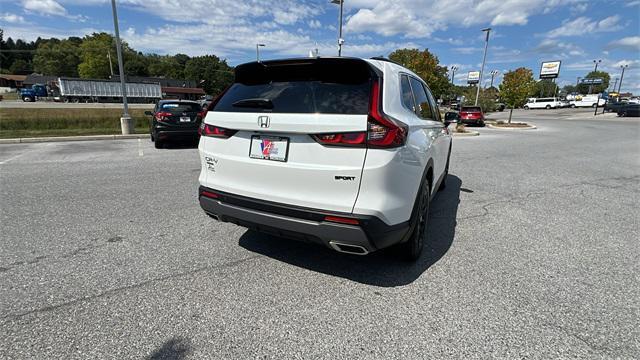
[
  {"x": 269, "y": 148},
  {"x": 185, "y": 119}
]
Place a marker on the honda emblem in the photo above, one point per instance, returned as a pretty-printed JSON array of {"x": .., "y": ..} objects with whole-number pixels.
[{"x": 263, "y": 121}]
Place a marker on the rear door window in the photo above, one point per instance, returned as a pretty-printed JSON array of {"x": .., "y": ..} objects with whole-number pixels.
[{"x": 423, "y": 107}]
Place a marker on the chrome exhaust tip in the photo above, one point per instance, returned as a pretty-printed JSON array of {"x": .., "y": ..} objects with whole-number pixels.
[{"x": 348, "y": 248}]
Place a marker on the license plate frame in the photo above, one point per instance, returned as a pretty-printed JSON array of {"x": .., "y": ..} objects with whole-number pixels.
[
  {"x": 256, "y": 148},
  {"x": 185, "y": 119}
]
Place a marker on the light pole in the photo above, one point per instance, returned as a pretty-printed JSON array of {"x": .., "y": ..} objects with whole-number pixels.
[
  {"x": 258, "y": 46},
  {"x": 493, "y": 74},
  {"x": 340, "y": 39},
  {"x": 621, "y": 77},
  {"x": 615, "y": 84},
  {"x": 484, "y": 58},
  {"x": 453, "y": 73},
  {"x": 110, "y": 64},
  {"x": 594, "y": 70},
  {"x": 126, "y": 124}
]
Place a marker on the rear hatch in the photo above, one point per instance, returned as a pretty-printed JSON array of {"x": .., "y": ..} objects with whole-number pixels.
[
  {"x": 291, "y": 132},
  {"x": 179, "y": 114}
]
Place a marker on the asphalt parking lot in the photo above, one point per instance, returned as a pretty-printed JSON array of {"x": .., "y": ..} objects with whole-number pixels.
[{"x": 534, "y": 254}]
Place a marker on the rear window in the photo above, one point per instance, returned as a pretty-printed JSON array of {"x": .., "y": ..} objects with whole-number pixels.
[
  {"x": 176, "y": 108},
  {"x": 471, "y": 108},
  {"x": 328, "y": 86}
]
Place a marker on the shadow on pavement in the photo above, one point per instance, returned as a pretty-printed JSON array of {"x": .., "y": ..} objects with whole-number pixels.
[
  {"x": 176, "y": 348},
  {"x": 383, "y": 268}
]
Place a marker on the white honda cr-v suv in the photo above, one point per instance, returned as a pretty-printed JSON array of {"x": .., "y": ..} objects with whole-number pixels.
[{"x": 344, "y": 152}]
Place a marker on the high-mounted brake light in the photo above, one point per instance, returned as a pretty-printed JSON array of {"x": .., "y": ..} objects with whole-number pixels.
[
  {"x": 215, "y": 131},
  {"x": 383, "y": 130}
]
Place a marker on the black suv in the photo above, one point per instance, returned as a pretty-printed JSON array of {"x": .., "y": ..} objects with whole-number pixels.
[{"x": 174, "y": 119}]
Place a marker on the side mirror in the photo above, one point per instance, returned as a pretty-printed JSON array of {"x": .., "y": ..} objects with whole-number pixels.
[
  {"x": 451, "y": 117},
  {"x": 149, "y": 113}
]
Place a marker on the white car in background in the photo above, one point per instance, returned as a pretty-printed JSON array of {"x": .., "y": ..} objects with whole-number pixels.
[
  {"x": 543, "y": 103},
  {"x": 344, "y": 152},
  {"x": 587, "y": 101}
]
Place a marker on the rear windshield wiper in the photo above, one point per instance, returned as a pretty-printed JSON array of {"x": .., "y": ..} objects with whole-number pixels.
[{"x": 254, "y": 103}]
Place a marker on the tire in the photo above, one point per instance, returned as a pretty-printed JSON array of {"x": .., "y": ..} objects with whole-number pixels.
[
  {"x": 573, "y": 106},
  {"x": 526, "y": 108},
  {"x": 412, "y": 248},
  {"x": 159, "y": 144},
  {"x": 153, "y": 138},
  {"x": 593, "y": 105},
  {"x": 26, "y": 99},
  {"x": 547, "y": 107}
]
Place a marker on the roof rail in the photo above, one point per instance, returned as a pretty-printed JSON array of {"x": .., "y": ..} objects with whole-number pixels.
[{"x": 385, "y": 59}]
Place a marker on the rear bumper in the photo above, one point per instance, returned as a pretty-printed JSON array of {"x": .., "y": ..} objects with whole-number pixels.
[
  {"x": 304, "y": 224},
  {"x": 170, "y": 131},
  {"x": 472, "y": 121}
]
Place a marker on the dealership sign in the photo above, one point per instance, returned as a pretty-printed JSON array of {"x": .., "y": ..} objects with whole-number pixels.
[
  {"x": 473, "y": 77},
  {"x": 550, "y": 70},
  {"x": 594, "y": 81}
]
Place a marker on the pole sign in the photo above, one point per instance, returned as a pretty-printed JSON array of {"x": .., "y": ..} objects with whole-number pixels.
[
  {"x": 473, "y": 77},
  {"x": 550, "y": 69},
  {"x": 594, "y": 81}
]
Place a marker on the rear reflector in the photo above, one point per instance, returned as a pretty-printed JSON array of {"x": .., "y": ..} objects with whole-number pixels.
[
  {"x": 209, "y": 194},
  {"x": 342, "y": 220}
]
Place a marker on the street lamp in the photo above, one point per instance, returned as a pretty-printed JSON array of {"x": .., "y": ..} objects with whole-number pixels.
[
  {"x": 615, "y": 84},
  {"x": 484, "y": 58},
  {"x": 596, "y": 67},
  {"x": 622, "y": 76},
  {"x": 493, "y": 74},
  {"x": 340, "y": 39},
  {"x": 453, "y": 73},
  {"x": 126, "y": 124},
  {"x": 258, "y": 46}
]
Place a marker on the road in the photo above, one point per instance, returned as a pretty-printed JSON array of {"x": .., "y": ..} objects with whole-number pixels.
[{"x": 533, "y": 254}]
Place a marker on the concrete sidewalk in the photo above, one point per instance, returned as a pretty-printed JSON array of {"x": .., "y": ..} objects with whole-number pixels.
[{"x": 72, "y": 138}]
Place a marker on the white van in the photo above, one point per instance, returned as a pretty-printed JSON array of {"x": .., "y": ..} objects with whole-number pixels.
[
  {"x": 543, "y": 103},
  {"x": 587, "y": 101}
]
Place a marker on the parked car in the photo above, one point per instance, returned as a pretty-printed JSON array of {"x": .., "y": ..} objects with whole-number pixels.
[
  {"x": 500, "y": 106},
  {"x": 543, "y": 103},
  {"x": 472, "y": 115},
  {"x": 326, "y": 150},
  {"x": 630, "y": 110},
  {"x": 172, "y": 119},
  {"x": 587, "y": 101},
  {"x": 614, "y": 106}
]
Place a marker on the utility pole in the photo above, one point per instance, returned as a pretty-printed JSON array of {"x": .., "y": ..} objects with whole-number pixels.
[
  {"x": 110, "y": 64},
  {"x": 484, "y": 58},
  {"x": 453, "y": 73},
  {"x": 622, "y": 77},
  {"x": 615, "y": 85},
  {"x": 126, "y": 124},
  {"x": 594, "y": 70},
  {"x": 340, "y": 39},
  {"x": 258, "y": 51},
  {"x": 493, "y": 74}
]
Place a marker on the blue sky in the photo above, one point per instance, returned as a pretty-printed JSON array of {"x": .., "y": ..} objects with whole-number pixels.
[{"x": 525, "y": 32}]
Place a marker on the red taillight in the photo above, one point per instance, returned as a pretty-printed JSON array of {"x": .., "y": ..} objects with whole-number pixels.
[
  {"x": 209, "y": 194},
  {"x": 202, "y": 114},
  {"x": 342, "y": 220},
  {"x": 346, "y": 139},
  {"x": 383, "y": 130},
  {"x": 215, "y": 131},
  {"x": 463, "y": 113},
  {"x": 163, "y": 115}
]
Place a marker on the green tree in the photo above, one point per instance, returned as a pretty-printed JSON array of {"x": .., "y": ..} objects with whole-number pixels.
[
  {"x": 544, "y": 88},
  {"x": 165, "y": 66},
  {"x": 93, "y": 54},
  {"x": 58, "y": 57},
  {"x": 213, "y": 73},
  {"x": 515, "y": 88},
  {"x": 596, "y": 89},
  {"x": 135, "y": 64},
  {"x": 20, "y": 67},
  {"x": 426, "y": 65},
  {"x": 568, "y": 89}
]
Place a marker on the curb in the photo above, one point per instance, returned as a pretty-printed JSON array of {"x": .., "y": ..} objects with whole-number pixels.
[
  {"x": 530, "y": 127},
  {"x": 73, "y": 138},
  {"x": 466, "y": 134}
]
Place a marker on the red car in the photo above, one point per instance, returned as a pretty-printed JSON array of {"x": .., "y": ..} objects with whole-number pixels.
[{"x": 472, "y": 115}]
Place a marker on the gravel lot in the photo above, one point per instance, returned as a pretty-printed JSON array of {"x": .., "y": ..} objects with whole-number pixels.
[{"x": 106, "y": 254}]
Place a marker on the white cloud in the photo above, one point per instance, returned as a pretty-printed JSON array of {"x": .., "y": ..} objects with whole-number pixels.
[
  {"x": 44, "y": 7},
  {"x": 584, "y": 26},
  {"x": 628, "y": 43},
  {"x": 558, "y": 49},
  {"x": 420, "y": 18},
  {"x": 12, "y": 18},
  {"x": 315, "y": 24}
]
